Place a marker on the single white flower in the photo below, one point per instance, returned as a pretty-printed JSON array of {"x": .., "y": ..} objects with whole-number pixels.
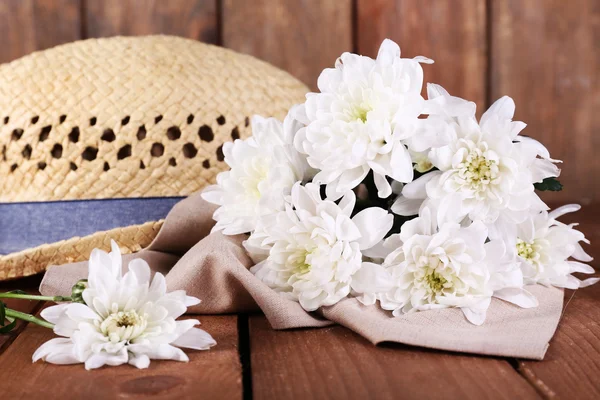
[
  {"x": 263, "y": 169},
  {"x": 549, "y": 251},
  {"x": 125, "y": 319},
  {"x": 452, "y": 266},
  {"x": 485, "y": 172},
  {"x": 366, "y": 118},
  {"x": 311, "y": 250}
]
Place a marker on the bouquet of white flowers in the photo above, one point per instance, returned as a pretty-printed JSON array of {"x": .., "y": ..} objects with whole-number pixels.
[{"x": 369, "y": 190}]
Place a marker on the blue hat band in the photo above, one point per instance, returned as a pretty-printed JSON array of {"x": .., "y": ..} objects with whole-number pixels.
[{"x": 31, "y": 224}]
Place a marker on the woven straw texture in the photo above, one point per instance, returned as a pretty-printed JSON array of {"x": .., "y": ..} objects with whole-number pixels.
[
  {"x": 124, "y": 117},
  {"x": 32, "y": 261},
  {"x": 128, "y": 117}
]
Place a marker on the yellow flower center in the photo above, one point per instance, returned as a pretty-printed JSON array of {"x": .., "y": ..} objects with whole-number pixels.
[
  {"x": 360, "y": 112},
  {"x": 300, "y": 262},
  {"x": 527, "y": 251},
  {"x": 434, "y": 277},
  {"x": 476, "y": 171},
  {"x": 123, "y": 325},
  {"x": 435, "y": 281}
]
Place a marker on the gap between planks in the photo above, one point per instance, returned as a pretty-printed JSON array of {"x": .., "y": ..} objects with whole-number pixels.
[{"x": 245, "y": 355}]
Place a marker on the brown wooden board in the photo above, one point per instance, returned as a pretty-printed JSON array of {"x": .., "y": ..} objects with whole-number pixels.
[
  {"x": 212, "y": 374},
  {"x": 571, "y": 368},
  {"x": 196, "y": 19},
  {"x": 546, "y": 55},
  {"x": 301, "y": 37},
  {"x": 335, "y": 363},
  {"x": 29, "y": 25},
  {"x": 452, "y": 33}
]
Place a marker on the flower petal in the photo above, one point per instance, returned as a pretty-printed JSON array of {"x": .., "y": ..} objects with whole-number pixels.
[
  {"x": 141, "y": 270},
  {"x": 388, "y": 52},
  {"x": 503, "y": 108},
  {"x": 56, "y": 351},
  {"x": 195, "y": 339},
  {"x": 474, "y": 316},
  {"x": 141, "y": 361},
  {"x": 373, "y": 224},
  {"x": 370, "y": 280},
  {"x": 52, "y": 314},
  {"x": 98, "y": 360},
  {"x": 518, "y": 296}
]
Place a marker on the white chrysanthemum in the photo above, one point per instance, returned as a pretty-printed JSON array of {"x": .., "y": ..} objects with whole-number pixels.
[
  {"x": 311, "y": 250},
  {"x": 263, "y": 169},
  {"x": 449, "y": 267},
  {"x": 486, "y": 172},
  {"x": 549, "y": 251},
  {"x": 364, "y": 118},
  {"x": 125, "y": 319}
]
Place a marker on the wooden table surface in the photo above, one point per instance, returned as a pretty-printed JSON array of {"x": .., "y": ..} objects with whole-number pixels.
[{"x": 253, "y": 361}]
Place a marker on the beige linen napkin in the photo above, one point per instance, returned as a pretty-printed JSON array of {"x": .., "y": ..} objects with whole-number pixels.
[{"x": 214, "y": 268}]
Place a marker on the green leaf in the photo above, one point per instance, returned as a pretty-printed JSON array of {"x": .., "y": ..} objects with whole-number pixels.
[
  {"x": 551, "y": 184},
  {"x": 9, "y": 327},
  {"x": 2, "y": 313}
]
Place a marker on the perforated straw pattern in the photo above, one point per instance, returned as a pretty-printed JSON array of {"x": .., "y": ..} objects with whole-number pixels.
[
  {"x": 129, "y": 117},
  {"x": 124, "y": 117}
]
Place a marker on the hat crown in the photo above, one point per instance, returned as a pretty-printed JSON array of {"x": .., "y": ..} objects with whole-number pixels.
[{"x": 128, "y": 117}]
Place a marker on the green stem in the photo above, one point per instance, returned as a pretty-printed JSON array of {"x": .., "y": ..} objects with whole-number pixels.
[
  {"x": 33, "y": 297},
  {"x": 28, "y": 318}
]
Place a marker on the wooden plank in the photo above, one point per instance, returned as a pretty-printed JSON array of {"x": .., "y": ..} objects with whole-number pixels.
[
  {"x": 572, "y": 365},
  {"x": 29, "y": 285},
  {"x": 29, "y": 25},
  {"x": 196, "y": 19},
  {"x": 301, "y": 37},
  {"x": 546, "y": 55},
  {"x": 335, "y": 363},
  {"x": 451, "y": 33},
  {"x": 213, "y": 374}
]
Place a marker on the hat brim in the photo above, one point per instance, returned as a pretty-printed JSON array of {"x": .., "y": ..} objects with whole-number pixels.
[{"x": 36, "y": 260}]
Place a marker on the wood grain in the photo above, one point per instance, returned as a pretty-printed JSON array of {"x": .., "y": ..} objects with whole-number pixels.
[
  {"x": 546, "y": 55},
  {"x": 213, "y": 374},
  {"x": 335, "y": 363},
  {"x": 301, "y": 37},
  {"x": 196, "y": 19},
  {"x": 30, "y": 25},
  {"x": 451, "y": 33},
  {"x": 571, "y": 368}
]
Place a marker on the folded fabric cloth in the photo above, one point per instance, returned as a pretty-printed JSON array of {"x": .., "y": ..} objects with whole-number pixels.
[{"x": 215, "y": 268}]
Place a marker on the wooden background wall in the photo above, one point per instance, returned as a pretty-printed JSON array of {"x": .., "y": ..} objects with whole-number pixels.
[{"x": 543, "y": 53}]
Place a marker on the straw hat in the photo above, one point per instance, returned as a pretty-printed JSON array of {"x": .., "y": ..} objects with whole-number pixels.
[{"x": 99, "y": 138}]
